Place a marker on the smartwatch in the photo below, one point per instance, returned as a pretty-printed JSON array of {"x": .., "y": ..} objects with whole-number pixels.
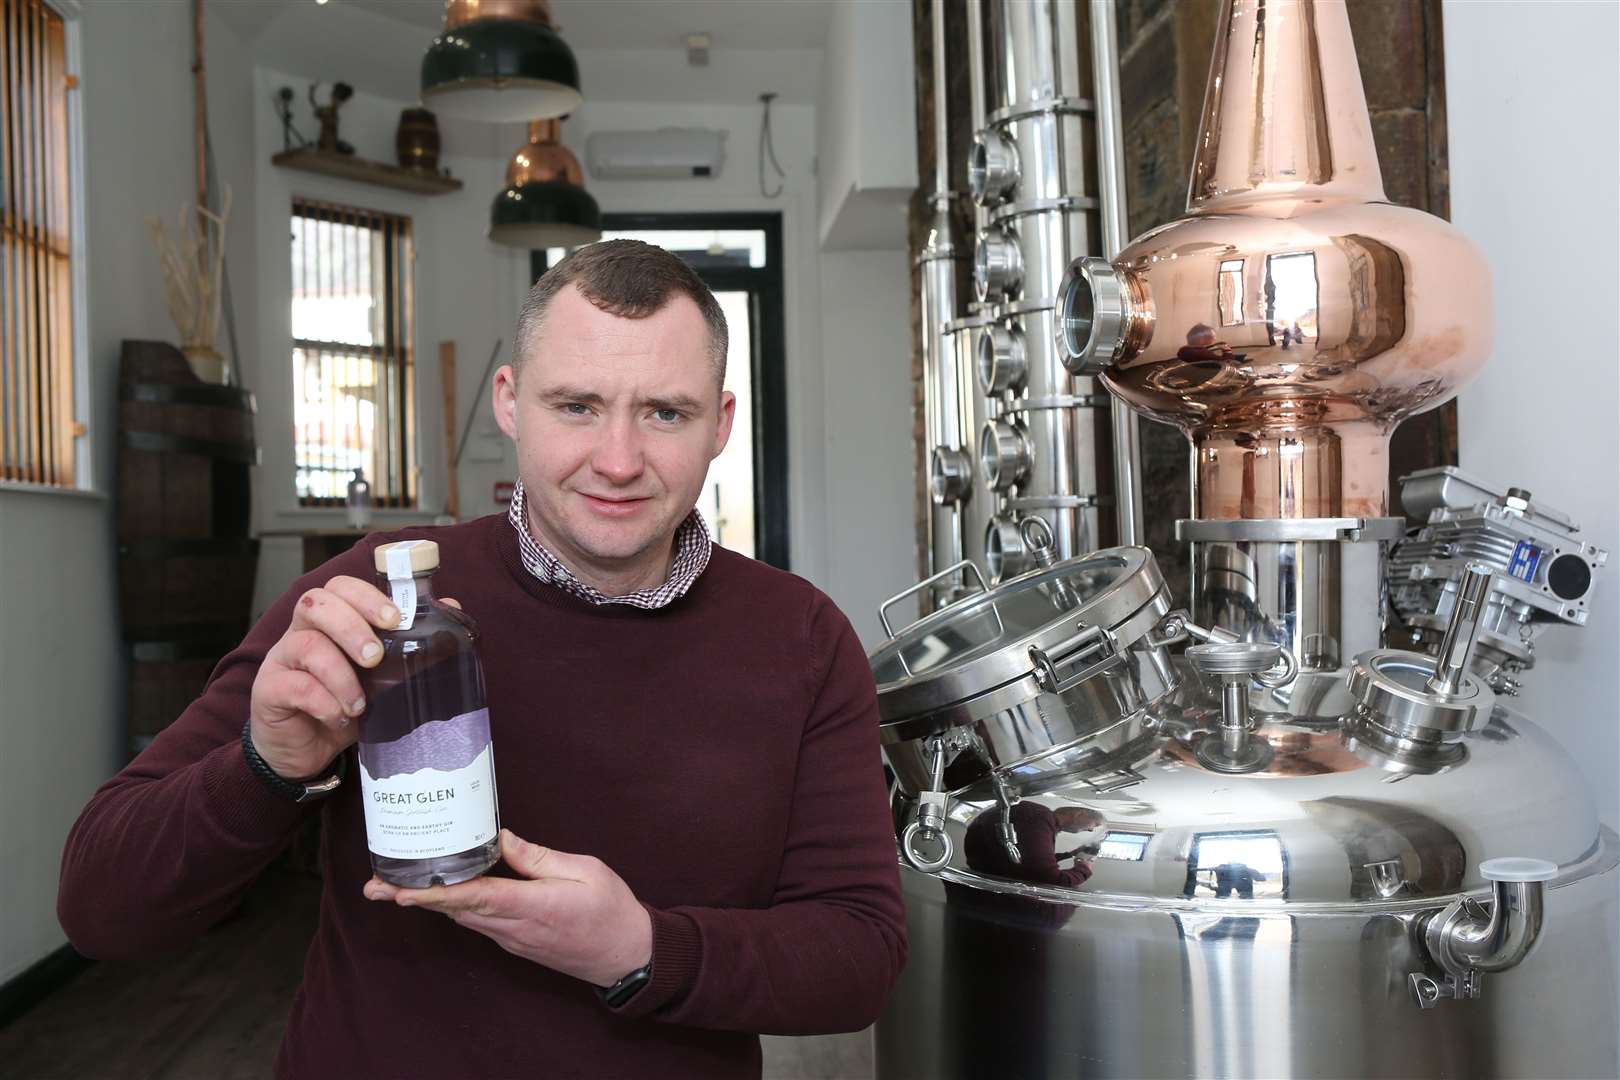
[
  {"x": 625, "y": 989},
  {"x": 297, "y": 791}
]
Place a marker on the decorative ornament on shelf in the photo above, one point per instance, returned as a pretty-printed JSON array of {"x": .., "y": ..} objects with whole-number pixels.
[
  {"x": 416, "y": 143},
  {"x": 327, "y": 115},
  {"x": 500, "y": 60},
  {"x": 544, "y": 204},
  {"x": 193, "y": 275}
]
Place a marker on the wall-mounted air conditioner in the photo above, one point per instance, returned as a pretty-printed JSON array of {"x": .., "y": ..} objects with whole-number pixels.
[{"x": 662, "y": 154}]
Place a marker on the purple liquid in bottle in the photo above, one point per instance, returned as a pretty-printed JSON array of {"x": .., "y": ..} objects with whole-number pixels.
[{"x": 427, "y": 772}]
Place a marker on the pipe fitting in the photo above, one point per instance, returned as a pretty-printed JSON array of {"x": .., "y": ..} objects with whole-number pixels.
[
  {"x": 998, "y": 265},
  {"x": 992, "y": 168},
  {"x": 1467, "y": 942},
  {"x": 950, "y": 476},
  {"x": 1005, "y": 555},
  {"x": 1005, "y": 455},
  {"x": 1100, "y": 315},
  {"x": 1002, "y": 363}
]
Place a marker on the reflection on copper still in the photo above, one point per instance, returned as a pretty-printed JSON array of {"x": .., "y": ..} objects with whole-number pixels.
[
  {"x": 459, "y": 12},
  {"x": 1294, "y": 316}
]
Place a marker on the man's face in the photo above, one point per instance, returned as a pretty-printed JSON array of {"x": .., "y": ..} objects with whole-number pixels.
[
  {"x": 615, "y": 422},
  {"x": 1077, "y": 819}
]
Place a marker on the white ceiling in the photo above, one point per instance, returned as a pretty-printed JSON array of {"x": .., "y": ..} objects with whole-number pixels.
[
  {"x": 629, "y": 50},
  {"x": 623, "y": 24}
]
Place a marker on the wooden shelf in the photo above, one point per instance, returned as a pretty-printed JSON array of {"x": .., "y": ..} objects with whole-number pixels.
[{"x": 348, "y": 167}]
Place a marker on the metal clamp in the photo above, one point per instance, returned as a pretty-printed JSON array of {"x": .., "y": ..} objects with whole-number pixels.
[
  {"x": 1467, "y": 941},
  {"x": 930, "y": 820},
  {"x": 1090, "y": 641},
  {"x": 883, "y": 608},
  {"x": 1177, "y": 626}
]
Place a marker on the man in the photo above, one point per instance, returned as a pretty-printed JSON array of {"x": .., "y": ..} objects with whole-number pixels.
[{"x": 697, "y": 846}]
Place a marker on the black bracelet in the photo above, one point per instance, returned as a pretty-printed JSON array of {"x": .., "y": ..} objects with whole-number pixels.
[
  {"x": 626, "y": 988},
  {"x": 292, "y": 790}
]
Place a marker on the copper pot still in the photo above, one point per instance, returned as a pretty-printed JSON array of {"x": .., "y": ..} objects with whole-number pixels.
[
  {"x": 1294, "y": 316},
  {"x": 416, "y": 142}
]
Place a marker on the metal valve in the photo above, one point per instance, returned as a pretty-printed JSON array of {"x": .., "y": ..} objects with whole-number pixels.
[
  {"x": 998, "y": 265},
  {"x": 1002, "y": 364},
  {"x": 1235, "y": 663},
  {"x": 1467, "y": 942},
  {"x": 950, "y": 476},
  {"x": 1004, "y": 454},
  {"x": 929, "y": 825},
  {"x": 992, "y": 168}
]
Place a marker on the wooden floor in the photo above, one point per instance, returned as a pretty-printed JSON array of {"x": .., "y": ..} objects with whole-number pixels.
[{"x": 215, "y": 1009}]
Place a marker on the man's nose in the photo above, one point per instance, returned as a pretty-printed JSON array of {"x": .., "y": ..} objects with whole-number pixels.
[{"x": 618, "y": 457}]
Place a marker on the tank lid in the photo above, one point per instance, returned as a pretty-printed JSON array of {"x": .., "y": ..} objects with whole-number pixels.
[{"x": 982, "y": 642}]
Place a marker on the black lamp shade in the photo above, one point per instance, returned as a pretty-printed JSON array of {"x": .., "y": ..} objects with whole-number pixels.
[
  {"x": 500, "y": 70},
  {"x": 545, "y": 215}
]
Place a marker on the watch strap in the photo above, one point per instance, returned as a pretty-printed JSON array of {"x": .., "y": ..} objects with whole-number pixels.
[
  {"x": 292, "y": 790},
  {"x": 626, "y": 988}
]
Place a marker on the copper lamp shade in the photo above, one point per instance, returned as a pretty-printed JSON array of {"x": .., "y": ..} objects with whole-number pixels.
[
  {"x": 1294, "y": 316},
  {"x": 544, "y": 204},
  {"x": 500, "y": 61}
]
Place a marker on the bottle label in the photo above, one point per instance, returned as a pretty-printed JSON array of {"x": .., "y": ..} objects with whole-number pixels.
[
  {"x": 401, "y": 581},
  {"x": 431, "y": 793}
]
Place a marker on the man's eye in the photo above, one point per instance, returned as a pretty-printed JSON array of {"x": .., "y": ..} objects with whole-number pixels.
[
  {"x": 575, "y": 408},
  {"x": 667, "y": 416}
]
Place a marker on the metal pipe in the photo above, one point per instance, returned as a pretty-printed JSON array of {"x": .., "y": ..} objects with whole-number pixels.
[
  {"x": 942, "y": 182},
  {"x": 1451, "y": 662},
  {"x": 1115, "y": 231},
  {"x": 976, "y": 89}
]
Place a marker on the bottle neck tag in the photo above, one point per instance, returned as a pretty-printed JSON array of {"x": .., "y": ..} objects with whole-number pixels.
[{"x": 402, "y": 581}]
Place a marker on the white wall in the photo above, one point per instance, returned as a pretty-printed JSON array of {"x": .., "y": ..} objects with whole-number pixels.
[
  {"x": 1535, "y": 181},
  {"x": 867, "y": 129},
  {"x": 61, "y": 668},
  {"x": 866, "y": 349}
]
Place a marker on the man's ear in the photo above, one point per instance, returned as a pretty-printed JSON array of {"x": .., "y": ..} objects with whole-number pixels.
[
  {"x": 728, "y": 413},
  {"x": 503, "y": 399}
]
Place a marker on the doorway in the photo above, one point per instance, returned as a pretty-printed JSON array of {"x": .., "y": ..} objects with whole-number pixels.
[{"x": 739, "y": 257}]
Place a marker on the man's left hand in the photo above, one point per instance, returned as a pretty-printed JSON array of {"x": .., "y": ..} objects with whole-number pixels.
[{"x": 570, "y": 913}]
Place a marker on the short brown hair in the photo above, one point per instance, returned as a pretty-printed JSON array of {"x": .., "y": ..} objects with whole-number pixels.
[{"x": 628, "y": 278}]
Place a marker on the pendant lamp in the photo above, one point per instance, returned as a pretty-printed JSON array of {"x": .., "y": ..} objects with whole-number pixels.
[
  {"x": 499, "y": 61},
  {"x": 545, "y": 204}
]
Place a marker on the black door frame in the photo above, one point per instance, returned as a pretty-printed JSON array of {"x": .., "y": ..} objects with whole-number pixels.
[{"x": 769, "y": 375}]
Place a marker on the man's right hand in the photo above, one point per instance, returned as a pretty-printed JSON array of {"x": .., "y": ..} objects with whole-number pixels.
[{"x": 307, "y": 694}]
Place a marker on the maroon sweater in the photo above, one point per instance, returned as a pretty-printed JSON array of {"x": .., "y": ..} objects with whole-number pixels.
[{"x": 720, "y": 754}]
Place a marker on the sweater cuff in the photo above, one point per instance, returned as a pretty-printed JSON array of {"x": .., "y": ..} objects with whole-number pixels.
[
  {"x": 241, "y": 803},
  {"x": 677, "y": 951}
]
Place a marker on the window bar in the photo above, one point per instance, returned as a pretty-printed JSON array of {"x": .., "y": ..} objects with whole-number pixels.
[
  {"x": 352, "y": 441},
  {"x": 8, "y": 275},
  {"x": 29, "y": 323},
  {"x": 329, "y": 361},
  {"x": 44, "y": 467},
  {"x": 47, "y": 252},
  {"x": 357, "y": 363},
  {"x": 17, "y": 301},
  {"x": 407, "y": 353},
  {"x": 62, "y": 277},
  {"x": 390, "y": 343}
]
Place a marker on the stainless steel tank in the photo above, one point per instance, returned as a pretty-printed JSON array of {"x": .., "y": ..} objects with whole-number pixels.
[{"x": 1418, "y": 888}]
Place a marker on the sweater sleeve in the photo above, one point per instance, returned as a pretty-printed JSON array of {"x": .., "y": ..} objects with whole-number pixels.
[
  {"x": 826, "y": 953},
  {"x": 168, "y": 846}
]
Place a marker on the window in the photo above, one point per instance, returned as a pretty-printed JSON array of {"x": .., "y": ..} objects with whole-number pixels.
[
  {"x": 354, "y": 381},
  {"x": 37, "y": 426}
]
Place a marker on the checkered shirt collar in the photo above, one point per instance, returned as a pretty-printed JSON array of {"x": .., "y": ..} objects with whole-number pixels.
[{"x": 692, "y": 548}]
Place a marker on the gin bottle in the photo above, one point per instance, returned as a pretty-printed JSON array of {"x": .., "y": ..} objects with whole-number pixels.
[{"x": 427, "y": 772}]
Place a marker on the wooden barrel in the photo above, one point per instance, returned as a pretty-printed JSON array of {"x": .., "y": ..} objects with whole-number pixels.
[
  {"x": 185, "y": 449},
  {"x": 186, "y": 566}
]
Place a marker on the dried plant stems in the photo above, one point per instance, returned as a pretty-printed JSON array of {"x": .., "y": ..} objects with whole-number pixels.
[{"x": 193, "y": 271}]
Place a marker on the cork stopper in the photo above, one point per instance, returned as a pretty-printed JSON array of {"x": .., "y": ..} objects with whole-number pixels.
[{"x": 407, "y": 557}]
